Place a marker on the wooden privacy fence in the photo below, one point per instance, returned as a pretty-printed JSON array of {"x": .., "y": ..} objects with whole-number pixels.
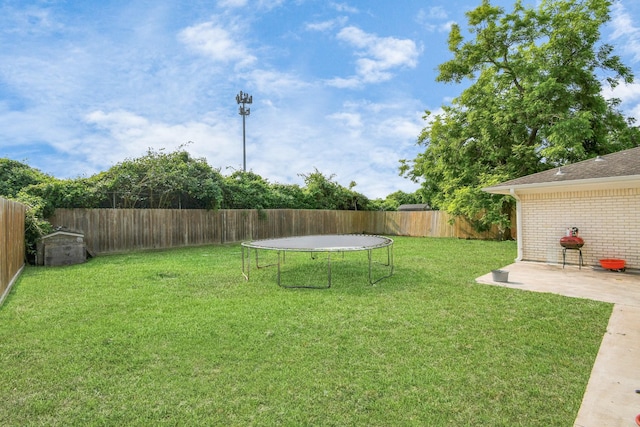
[
  {"x": 12, "y": 216},
  {"x": 121, "y": 230}
]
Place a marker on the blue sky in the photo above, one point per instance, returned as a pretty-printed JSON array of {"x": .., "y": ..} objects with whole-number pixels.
[{"x": 340, "y": 86}]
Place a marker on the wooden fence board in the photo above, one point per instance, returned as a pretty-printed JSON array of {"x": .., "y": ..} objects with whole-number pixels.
[
  {"x": 119, "y": 230},
  {"x": 12, "y": 244}
]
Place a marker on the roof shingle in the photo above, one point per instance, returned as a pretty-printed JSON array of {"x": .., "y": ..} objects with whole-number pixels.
[{"x": 619, "y": 164}]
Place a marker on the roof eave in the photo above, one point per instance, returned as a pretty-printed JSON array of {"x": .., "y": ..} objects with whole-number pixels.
[
  {"x": 65, "y": 233},
  {"x": 555, "y": 185}
]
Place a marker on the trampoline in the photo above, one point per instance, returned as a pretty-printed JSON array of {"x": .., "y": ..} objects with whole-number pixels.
[{"x": 318, "y": 244}]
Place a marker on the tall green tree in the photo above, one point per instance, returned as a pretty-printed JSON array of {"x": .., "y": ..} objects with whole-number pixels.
[
  {"x": 534, "y": 102},
  {"x": 247, "y": 190},
  {"x": 323, "y": 192},
  {"x": 394, "y": 200},
  {"x": 67, "y": 193},
  {"x": 14, "y": 176},
  {"x": 163, "y": 180}
]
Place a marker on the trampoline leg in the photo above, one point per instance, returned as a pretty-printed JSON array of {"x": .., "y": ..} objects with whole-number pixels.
[
  {"x": 266, "y": 265},
  {"x": 246, "y": 262},
  {"x": 388, "y": 264},
  {"x": 279, "y": 269},
  {"x": 328, "y": 269},
  {"x": 246, "y": 276}
]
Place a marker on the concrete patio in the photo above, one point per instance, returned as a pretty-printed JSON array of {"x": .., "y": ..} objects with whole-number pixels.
[{"x": 610, "y": 399}]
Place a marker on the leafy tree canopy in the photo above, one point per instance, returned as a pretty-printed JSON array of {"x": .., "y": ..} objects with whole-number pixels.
[
  {"x": 163, "y": 180},
  {"x": 177, "y": 180},
  {"x": 534, "y": 102},
  {"x": 324, "y": 193},
  {"x": 14, "y": 176},
  {"x": 247, "y": 190},
  {"x": 393, "y": 201}
]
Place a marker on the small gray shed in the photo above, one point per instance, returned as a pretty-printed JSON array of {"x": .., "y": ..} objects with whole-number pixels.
[
  {"x": 62, "y": 247},
  {"x": 414, "y": 207}
]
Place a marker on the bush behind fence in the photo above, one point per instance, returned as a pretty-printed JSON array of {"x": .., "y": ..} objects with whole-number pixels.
[{"x": 121, "y": 230}]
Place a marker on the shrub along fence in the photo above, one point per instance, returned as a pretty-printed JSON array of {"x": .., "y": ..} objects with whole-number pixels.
[
  {"x": 121, "y": 230},
  {"x": 12, "y": 216}
]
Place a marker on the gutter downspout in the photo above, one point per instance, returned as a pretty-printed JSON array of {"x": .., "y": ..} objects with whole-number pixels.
[{"x": 512, "y": 191}]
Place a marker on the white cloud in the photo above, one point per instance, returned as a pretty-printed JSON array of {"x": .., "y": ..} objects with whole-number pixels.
[
  {"x": 121, "y": 124},
  {"x": 30, "y": 20},
  {"x": 378, "y": 56},
  {"x": 272, "y": 82},
  {"x": 126, "y": 134},
  {"x": 345, "y": 83},
  {"x": 232, "y": 3},
  {"x": 352, "y": 120},
  {"x": 431, "y": 19},
  {"x": 446, "y": 27},
  {"x": 33, "y": 126},
  {"x": 635, "y": 113},
  {"x": 217, "y": 43},
  {"x": 435, "y": 12},
  {"x": 343, "y": 7},
  {"x": 625, "y": 31},
  {"x": 260, "y": 4},
  {"x": 629, "y": 95},
  {"x": 624, "y": 92},
  {"x": 327, "y": 25}
]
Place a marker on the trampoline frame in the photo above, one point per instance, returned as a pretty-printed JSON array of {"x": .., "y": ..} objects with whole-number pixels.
[{"x": 279, "y": 245}]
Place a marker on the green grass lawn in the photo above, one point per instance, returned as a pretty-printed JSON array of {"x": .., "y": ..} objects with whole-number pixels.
[{"x": 180, "y": 338}]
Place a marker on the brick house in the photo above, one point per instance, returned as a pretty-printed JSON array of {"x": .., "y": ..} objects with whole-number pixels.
[{"x": 599, "y": 196}]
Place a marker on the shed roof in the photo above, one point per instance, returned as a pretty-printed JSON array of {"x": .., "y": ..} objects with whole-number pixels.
[
  {"x": 414, "y": 207},
  {"x": 60, "y": 231},
  {"x": 615, "y": 167}
]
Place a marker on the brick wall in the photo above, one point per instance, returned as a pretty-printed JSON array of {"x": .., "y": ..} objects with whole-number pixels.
[{"x": 608, "y": 219}]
